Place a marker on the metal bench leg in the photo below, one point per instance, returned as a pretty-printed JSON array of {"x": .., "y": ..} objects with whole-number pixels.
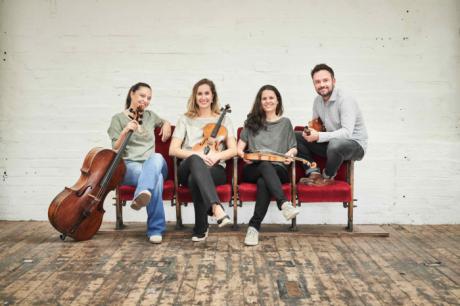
[
  {"x": 350, "y": 217},
  {"x": 179, "y": 224},
  {"x": 119, "y": 213}
]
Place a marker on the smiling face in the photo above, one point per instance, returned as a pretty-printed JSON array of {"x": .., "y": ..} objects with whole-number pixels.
[
  {"x": 204, "y": 96},
  {"x": 141, "y": 97},
  {"x": 324, "y": 84},
  {"x": 269, "y": 101}
]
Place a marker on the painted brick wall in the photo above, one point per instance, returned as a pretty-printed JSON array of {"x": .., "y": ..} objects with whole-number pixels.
[{"x": 66, "y": 66}]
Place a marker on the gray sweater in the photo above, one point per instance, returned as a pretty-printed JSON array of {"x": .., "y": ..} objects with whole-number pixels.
[
  {"x": 341, "y": 117},
  {"x": 278, "y": 137}
]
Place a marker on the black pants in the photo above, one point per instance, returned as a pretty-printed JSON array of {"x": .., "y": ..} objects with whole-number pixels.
[
  {"x": 336, "y": 151},
  {"x": 202, "y": 181},
  {"x": 269, "y": 178}
]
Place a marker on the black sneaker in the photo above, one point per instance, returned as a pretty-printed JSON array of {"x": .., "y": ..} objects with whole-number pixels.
[{"x": 200, "y": 237}]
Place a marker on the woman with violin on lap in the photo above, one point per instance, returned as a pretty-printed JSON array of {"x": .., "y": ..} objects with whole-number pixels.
[
  {"x": 266, "y": 131},
  {"x": 202, "y": 166},
  {"x": 144, "y": 168}
]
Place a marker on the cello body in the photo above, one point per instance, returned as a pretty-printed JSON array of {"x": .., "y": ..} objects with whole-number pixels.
[{"x": 77, "y": 211}]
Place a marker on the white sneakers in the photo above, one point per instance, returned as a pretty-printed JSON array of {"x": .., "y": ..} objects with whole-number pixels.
[
  {"x": 142, "y": 199},
  {"x": 155, "y": 239},
  {"x": 289, "y": 212},
  {"x": 252, "y": 236}
]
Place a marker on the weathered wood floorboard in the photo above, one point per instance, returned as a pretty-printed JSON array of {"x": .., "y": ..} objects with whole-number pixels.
[
  {"x": 415, "y": 265},
  {"x": 422, "y": 266}
]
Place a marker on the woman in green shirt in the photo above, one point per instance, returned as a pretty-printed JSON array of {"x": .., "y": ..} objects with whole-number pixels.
[{"x": 144, "y": 168}]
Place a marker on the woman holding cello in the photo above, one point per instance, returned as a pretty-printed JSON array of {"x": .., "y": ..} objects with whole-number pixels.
[
  {"x": 266, "y": 130},
  {"x": 202, "y": 169},
  {"x": 144, "y": 168}
]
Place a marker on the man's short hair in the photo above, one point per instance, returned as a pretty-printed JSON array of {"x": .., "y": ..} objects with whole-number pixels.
[{"x": 322, "y": 67}]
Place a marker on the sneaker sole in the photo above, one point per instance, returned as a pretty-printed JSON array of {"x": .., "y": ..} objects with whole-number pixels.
[
  {"x": 141, "y": 201},
  {"x": 224, "y": 222},
  {"x": 250, "y": 243},
  {"x": 198, "y": 239},
  {"x": 292, "y": 216}
]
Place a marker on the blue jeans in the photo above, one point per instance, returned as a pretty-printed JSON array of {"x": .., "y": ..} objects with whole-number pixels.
[{"x": 149, "y": 175}]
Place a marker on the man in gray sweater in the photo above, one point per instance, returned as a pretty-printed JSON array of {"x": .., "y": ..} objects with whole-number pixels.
[{"x": 345, "y": 135}]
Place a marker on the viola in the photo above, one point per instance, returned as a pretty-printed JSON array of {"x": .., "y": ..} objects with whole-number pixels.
[
  {"x": 77, "y": 211},
  {"x": 213, "y": 134},
  {"x": 275, "y": 157},
  {"x": 316, "y": 124}
]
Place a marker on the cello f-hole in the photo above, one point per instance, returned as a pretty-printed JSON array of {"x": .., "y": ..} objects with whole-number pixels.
[{"x": 82, "y": 191}]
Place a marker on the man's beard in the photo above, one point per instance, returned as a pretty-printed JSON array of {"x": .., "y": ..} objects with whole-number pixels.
[{"x": 327, "y": 94}]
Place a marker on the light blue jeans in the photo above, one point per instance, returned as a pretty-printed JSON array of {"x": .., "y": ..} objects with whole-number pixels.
[{"x": 149, "y": 175}]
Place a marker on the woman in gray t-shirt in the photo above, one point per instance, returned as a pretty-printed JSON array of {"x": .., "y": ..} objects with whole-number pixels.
[
  {"x": 145, "y": 169},
  {"x": 202, "y": 171},
  {"x": 265, "y": 130}
]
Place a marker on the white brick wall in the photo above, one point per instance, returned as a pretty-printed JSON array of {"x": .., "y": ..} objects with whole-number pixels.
[{"x": 65, "y": 68}]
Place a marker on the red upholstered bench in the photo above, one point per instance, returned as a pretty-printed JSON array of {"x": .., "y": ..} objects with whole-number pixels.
[
  {"x": 125, "y": 193},
  {"x": 340, "y": 191}
]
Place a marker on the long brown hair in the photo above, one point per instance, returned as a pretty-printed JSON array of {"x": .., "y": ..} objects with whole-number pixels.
[
  {"x": 257, "y": 119},
  {"x": 192, "y": 108}
]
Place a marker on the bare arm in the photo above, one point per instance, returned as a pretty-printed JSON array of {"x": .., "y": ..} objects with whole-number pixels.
[
  {"x": 240, "y": 150},
  {"x": 165, "y": 132},
  {"x": 176, "y": 150}
]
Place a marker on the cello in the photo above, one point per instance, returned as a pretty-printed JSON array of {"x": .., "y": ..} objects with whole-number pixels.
[{"x": 77, "y": 211}]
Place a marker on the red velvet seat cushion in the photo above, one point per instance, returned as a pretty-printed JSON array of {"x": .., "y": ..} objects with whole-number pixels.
[
  {"x": 339, "y": 191},
  {"x": 126, "y": 192},
  {"x": 223, "y": 191},
  {"x": 248, "y": 191}
]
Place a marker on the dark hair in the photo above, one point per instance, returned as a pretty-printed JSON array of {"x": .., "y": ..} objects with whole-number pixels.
[
  {"x": 256, "y": 119},
  {"x": 133, "y": 89},
  {"x": 322, "y": 67}
]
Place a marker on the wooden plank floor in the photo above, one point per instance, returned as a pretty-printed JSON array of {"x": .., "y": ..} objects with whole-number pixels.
[{"x": 414, "y": 265}]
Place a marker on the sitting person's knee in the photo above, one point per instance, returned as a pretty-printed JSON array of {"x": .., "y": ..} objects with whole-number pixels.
[{"x": 335, "y": 145}]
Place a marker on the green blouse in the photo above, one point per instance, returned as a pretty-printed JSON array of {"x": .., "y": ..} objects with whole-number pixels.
[{"x": 142, "y": 143}]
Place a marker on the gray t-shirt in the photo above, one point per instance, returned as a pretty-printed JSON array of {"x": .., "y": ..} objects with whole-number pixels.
[
  {"x": 190, "y": 131},
  {"x": 142, "y": 143},
  {"x": 279, "y": 137}
]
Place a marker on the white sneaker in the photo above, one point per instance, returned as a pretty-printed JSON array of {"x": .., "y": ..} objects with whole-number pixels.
[
  {"x": 202, "y": 237},
  {"x": 155, "y": 239},
  {"x": 252, "y": 236},
  {"x": 289, "y": 211},
  {"x": 142, "y": 199}
]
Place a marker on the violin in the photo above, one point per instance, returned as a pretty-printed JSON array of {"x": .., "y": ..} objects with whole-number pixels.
[
  {"x": 213, "y": 134},
  {"x": 275, "y": 157},
  {"x": 316, "y": 124},
  {"x": 77, "y": 211}
]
